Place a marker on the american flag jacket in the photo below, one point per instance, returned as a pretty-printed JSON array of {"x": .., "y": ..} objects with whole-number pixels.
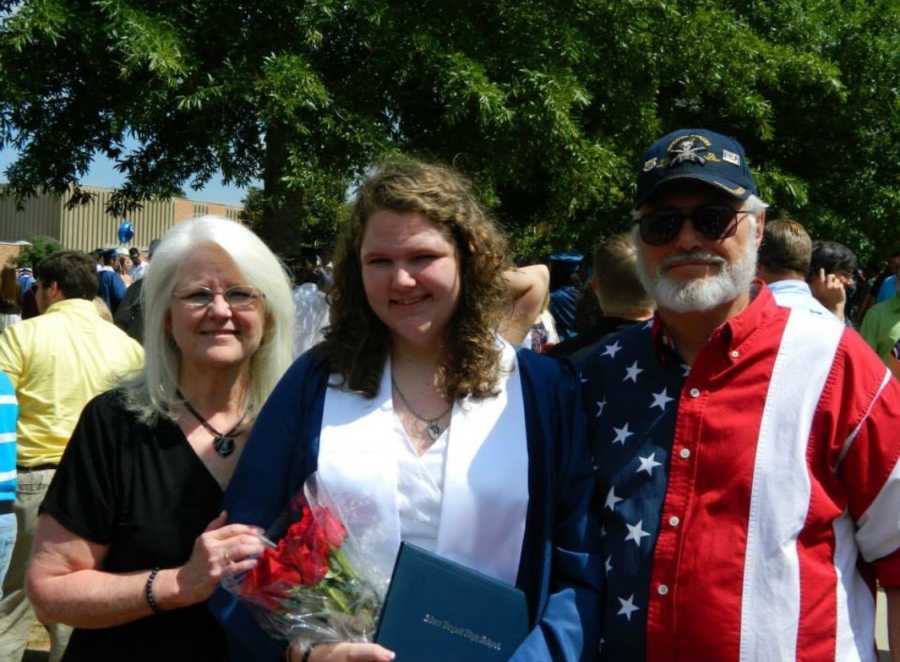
[{"x": 748, "y": 502}]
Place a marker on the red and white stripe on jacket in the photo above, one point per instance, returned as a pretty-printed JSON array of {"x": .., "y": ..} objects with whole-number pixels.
[{"x": 784, "y": 526}]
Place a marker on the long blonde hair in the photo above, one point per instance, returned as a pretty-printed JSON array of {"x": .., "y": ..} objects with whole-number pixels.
[{"x": 154, "y": 392}]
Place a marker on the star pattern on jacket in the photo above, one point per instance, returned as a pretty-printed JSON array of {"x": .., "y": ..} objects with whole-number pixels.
[
  {"x": 632, "y": 372},
  {"x": 627, "y": 607},
  {"x": 636, "y": 532},
  {"x": 612, "y": 499},
  {"x": 648, "y": 464},
  {"x": 622, "y": 434},
  {"x": 661, "y": 399},
  {"x": 612, "y": 349},
  {"x": 633, "y": 404}
]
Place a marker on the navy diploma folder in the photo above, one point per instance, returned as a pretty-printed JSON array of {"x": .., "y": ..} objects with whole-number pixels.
[{"x": 441, "y": 611}]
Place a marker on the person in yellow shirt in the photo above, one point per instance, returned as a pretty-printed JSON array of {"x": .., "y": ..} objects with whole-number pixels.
[{"x": 56, "y": 362}]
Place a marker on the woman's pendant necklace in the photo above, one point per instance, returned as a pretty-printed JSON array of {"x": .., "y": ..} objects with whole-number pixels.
[
  {"x": 432, "y": 428},
  {"x": 223, "y": 444}
]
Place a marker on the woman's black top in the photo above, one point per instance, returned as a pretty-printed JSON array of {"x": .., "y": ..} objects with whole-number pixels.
[{"x": 143, "y": 492}]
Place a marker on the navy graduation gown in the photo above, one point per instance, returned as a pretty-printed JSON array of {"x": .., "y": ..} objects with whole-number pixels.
[{"x": 559, "y": 571}]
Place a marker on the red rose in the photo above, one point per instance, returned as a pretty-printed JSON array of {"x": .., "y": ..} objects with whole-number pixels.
[
  {"x": 313, "y": 567},
  {"x": 332, "y": 529},
  {"x": 270, "y": 580},
  {"x": 295, "y": 551},
  {"x": 304, "y": 529}
]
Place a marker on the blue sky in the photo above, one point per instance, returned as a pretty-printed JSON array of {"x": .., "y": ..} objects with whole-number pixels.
[{"x": 102, "y": 173}]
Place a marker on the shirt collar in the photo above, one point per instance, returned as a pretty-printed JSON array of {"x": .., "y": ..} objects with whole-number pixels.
[
  {"x": 734, "y": 331},
  {"x": 72, "y": 304},
  {"x": 793, "y": 285}
]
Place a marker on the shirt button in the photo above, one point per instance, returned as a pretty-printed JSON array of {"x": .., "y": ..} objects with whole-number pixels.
[
  {"x": 662, "y": 589},
  {"x": 674, "y": 521},
  {"x": 685, "y": 453},
  {"x": 695, "y": 392},
  {"x": 735, "y": 354}
]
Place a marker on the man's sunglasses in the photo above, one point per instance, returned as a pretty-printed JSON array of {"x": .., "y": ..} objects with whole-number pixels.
[{"x": 714, "y": 222}]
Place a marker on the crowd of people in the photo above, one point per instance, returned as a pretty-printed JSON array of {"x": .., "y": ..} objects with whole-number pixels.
[{"x": 682, "y": 450}]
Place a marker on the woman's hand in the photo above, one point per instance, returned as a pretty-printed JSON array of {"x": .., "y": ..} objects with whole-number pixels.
[
  {"x": 218, "y": 551},
  {"x": 346, "y": 652}
]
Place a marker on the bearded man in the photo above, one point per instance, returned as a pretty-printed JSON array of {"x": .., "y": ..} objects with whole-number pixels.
[{"x": 746, "y": 453}]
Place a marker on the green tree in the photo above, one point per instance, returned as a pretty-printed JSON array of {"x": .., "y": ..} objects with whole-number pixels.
[
  {"x": 38, "y": 248},
  {"x": 546, "y": 104},
  {"x": 313, "y": 233}
]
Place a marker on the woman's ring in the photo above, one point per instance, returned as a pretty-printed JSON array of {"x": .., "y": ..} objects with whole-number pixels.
[{"x": 225, "y": 557}]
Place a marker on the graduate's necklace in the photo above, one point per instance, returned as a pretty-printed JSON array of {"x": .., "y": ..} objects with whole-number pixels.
[
  {"x": 223, "y": 444},
  {"x": 432, "y": 427}
]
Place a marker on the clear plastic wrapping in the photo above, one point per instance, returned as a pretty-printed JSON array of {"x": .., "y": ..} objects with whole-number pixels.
[{"x": 315, "y": 583}]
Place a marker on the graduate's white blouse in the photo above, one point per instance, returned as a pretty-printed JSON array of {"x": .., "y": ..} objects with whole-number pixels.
[{"x": 420, "y": 488}]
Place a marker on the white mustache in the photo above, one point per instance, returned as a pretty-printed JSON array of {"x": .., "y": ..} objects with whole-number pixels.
[{"x": 695, "y": 256}]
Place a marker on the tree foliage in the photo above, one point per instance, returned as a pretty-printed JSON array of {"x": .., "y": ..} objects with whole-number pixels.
[
  {"x": 546, "y": 104},
  {"x": 37, "y": 249}
]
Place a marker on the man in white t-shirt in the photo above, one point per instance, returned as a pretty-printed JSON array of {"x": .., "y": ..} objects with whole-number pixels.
[{"x": 138, "y": 265}]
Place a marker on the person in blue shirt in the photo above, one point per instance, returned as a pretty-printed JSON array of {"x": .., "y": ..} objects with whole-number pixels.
[
  {"x": 112, "y": 287},
  {"x": 887, "y": 290},
  {"x": 9, "y": 414},
  {"x": 565, "y": 292},
  {"x": 783, "y": 262},
  {"x": 875, "y": 287},
  {"x": 25, "y": 279}
]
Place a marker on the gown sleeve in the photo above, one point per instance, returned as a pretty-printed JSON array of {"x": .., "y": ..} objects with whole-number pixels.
[
  {"x": 279, "y": 455},
  {"x": 569, "y": 597}
]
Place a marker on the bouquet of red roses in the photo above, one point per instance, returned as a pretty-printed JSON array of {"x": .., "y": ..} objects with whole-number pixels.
[{"x": 306, "y": 585}]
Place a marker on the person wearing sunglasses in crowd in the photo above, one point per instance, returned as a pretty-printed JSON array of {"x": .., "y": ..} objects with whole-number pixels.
[
  {"x": 746, "y": 452},
  {"x": 415, "y": 406},
  {"x": 132, "y": 539}
]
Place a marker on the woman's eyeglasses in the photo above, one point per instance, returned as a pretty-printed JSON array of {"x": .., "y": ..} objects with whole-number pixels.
[
  {"x": 237, "y": 298},
  {"x": 714, "y": 222}
]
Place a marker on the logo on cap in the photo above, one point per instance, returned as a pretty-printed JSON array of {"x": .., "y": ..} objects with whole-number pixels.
[{"x": 689, "y": 149}]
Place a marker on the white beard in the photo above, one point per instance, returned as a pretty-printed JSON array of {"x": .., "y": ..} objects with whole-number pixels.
[{"x": 698, "y": 294}]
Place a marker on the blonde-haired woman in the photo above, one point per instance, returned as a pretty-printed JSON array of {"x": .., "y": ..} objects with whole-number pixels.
[
  {"x": 131, "y": 540},
  {"x": 414, "y": 403}
]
